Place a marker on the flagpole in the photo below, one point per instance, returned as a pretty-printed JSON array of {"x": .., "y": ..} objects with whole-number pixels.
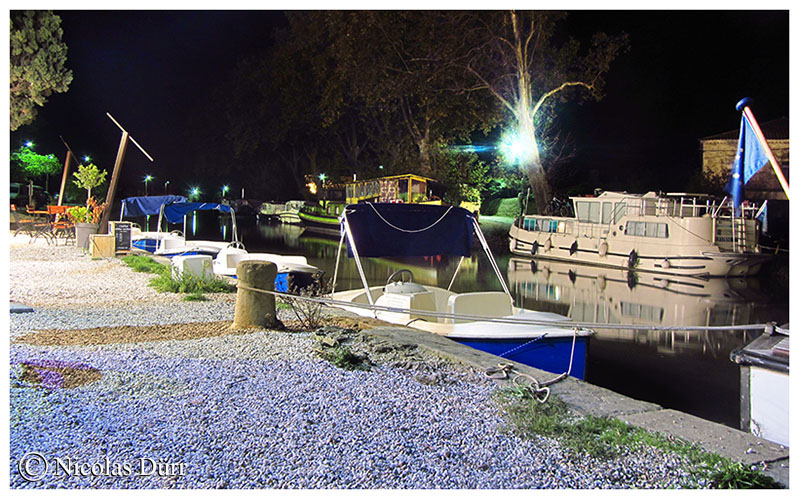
[{"x": 744, "y": 108}]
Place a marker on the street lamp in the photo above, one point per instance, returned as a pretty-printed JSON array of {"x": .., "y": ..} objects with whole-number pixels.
[
  {"x": 166, "y": 183},
  {"x": 194, "y": 192},
  {"x": 87, "y": 158},
  {"x": 147, "y": 178},
  {"x": 224, "y": 190}
]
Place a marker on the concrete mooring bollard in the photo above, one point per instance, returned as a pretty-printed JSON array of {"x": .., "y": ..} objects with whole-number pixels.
[{"x": 255, "y": 309}]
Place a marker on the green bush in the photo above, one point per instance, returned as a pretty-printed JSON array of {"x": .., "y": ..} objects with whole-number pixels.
[{"x": 185, "y": 283}]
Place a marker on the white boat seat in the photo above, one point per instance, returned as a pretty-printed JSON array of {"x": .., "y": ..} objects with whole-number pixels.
[{"x": 492, "y": 304}]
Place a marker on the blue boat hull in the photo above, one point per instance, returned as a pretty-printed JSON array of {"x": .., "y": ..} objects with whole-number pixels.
[
  {"x": 146, "y": 244},
  {"x": 549, "y": 354}
]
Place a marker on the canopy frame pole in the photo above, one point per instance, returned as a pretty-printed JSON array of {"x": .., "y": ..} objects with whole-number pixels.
[
  {"x": 453, "y": 279},
  {"x": 488, "y": 252},
  {"x": 338, "y": 257},
  {"x": 357, "y": 258},
  {"x": 233, "y": 220},
  {"x": 160, "y": 240}
]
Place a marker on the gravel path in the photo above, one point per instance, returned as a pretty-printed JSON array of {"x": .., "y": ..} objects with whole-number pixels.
[{"x": 249, "y": 409}]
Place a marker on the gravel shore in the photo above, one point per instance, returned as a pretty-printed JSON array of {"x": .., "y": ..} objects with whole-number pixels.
[{"x": 114, "y": 385}]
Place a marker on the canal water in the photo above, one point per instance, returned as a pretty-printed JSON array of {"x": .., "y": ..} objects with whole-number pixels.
[{"x": 690, "y": 371}]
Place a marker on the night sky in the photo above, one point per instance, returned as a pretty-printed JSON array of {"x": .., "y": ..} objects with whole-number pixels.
[{"x": 157, "y": 73}]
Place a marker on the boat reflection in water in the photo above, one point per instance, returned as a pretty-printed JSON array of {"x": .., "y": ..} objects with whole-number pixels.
[{"x": 684, "y": 370}]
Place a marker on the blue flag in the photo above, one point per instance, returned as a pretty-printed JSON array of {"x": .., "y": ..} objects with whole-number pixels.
[{"x": 750, "y": 157}]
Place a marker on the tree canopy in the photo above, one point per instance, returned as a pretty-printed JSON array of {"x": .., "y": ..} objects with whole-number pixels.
[
  {"x": 31, "y": 165},
  {"x": 391, "y": 91},
  {"x": 37, "y": 65}
]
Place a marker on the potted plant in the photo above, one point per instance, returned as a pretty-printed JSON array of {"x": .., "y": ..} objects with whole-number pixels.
[{"x": 87, "y": 219}]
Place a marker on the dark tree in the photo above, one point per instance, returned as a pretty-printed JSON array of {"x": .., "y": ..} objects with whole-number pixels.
[
  {"x": 529, "y": 67},
  {"x": 38, "y": 58}
]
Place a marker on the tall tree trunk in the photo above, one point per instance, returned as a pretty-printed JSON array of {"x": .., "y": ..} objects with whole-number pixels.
[
  {"x": 425, "y": 168},
  {"x": 541, "y": 188}
]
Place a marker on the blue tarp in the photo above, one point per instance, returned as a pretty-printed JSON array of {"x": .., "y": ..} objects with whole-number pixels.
[
  {"x": 174, "y": 212},
  {"x": 408, "y": 230},
  {"x": 148, "y": 205}
]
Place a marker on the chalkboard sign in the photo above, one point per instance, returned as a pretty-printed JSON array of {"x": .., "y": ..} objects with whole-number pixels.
[{"x": 122, "y": 236}]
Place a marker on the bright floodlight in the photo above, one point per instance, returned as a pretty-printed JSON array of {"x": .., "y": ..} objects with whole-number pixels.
[
  {"x": 516, "y": 148},
  {"x": 28, "y": 144}
]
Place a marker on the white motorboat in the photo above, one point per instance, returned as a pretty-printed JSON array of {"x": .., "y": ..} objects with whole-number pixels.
[
  {"x": 764, "y": 365},
  {"x": 294, "y": 271},
  {"x": 290, "y": 213},
  {"x": 488, "y": 321},
  {"x": 680, "y": 234}
]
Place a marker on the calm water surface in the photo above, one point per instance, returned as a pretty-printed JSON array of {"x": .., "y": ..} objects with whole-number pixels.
[{"x": 686, "y": 371}]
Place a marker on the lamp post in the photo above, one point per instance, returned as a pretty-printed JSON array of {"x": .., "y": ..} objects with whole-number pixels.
[
  {"x": 166, "y": 183},
  {"x": 147, "y": 178},
  {"x": 224, "y": 190}
]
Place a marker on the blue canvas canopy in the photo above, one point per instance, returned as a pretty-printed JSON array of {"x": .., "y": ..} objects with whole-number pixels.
[
  {"x": 408, "y": 230},
  {"x": 174, "y": 212},
  {"x": 147, "y": 205}
]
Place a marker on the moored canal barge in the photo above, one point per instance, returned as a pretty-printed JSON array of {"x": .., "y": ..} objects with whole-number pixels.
[{"x": 679, "y": 234}]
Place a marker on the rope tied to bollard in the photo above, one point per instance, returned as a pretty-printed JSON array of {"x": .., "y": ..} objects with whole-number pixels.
[{"x": 540, "y": 391}]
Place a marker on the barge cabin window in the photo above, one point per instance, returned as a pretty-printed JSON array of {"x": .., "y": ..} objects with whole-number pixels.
[
  {"x": 594, "y": 212},
  {"x": 647, "y": 229}
]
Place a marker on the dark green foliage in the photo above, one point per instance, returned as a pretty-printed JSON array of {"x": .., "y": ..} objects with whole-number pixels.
[
  {"x": 31, "y": 164},
  {"x": 38, "y": 58},
  {"x": 342, "y": 357},
  {"x": 186, "y": 283}
]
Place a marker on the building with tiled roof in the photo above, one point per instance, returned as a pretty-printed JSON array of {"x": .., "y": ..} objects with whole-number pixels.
[{"x": 719, "y": 152}]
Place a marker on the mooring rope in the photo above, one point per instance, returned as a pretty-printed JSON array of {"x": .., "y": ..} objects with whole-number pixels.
[{"x": 516, "y": 321}]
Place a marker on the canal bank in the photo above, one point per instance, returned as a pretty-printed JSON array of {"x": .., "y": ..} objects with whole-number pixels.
[{"x": 589, "y": 400}]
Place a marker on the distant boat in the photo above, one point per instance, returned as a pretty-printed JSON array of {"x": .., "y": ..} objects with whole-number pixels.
[
  {"x": 269, "y": 210},
  {"x": 290, "y": 214},
  {"x": 764, "y": 364},
  {"x": 488, "y": 320},
  {"x": 322, "y": 217},
  {"x": 679, "y": 234}
]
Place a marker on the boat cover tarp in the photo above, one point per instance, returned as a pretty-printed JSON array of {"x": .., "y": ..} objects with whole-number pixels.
[
  {"x": 148, "y": 205},
  {"x": 174, "y": 212},
  {"x": 408, "y": 230}
]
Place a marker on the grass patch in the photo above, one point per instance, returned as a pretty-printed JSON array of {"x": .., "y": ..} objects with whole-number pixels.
[
  {"x": 185, "y": 283},
  {"x": 501, "y": 207},
  {"x": 607, "y": 438},
  {"x": 144, "y": 264},
  {"x": 332, "y": 346},
  {"x": 342, "y": 357}
]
